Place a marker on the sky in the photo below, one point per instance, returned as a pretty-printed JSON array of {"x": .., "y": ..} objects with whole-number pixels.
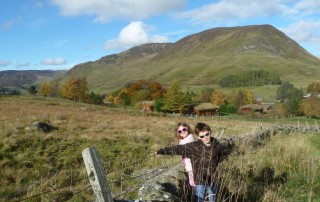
[{"x": 59, "y": 34}]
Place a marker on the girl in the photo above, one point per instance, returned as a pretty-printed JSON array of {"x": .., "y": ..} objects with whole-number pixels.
[{"x": 183, "y": 133}]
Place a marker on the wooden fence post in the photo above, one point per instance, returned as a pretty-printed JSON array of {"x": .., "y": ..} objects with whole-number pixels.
[
  {"x": 97, "y": 174},
  {"x": 317, "y": 126}
]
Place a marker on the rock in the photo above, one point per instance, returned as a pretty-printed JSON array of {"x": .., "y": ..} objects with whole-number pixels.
[{"x": 42, "y": 127}]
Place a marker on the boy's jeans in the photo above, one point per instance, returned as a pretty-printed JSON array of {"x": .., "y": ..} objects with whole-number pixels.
[{"x": 202, "y": 190}]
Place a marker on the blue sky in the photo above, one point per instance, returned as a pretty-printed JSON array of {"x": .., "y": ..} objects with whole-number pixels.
[{"x": 58, "y": 34}]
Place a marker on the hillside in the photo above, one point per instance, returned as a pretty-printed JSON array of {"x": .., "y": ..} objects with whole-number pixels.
[
  {"x": 23, "y": 79},
  {"x": 204, "y": 58}
]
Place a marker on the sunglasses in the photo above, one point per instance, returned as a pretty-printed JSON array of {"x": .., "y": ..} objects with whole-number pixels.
[
  {"x": 183, "y": 130},
  {"x": 205, "y": 135}
]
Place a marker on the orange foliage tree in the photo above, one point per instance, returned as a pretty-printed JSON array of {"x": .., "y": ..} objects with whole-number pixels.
[
  {"x": 75, "y": 89},
  {"x": 218, "y": 98},
  {"x": 137, "y": 92},
  {"x": 311, "y": 106},
  {"x": 46, "y": 89},
  {"x": 314, "y": 88}
]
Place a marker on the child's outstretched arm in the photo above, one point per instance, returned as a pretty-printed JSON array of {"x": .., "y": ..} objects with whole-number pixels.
[{"x": 172, "y": 150}]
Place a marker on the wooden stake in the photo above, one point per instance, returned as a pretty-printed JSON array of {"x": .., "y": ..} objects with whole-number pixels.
[{"x": 97, "y": 174}]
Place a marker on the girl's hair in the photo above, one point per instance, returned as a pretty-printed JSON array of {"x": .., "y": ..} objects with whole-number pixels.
[{"x": 176, "y": 134}]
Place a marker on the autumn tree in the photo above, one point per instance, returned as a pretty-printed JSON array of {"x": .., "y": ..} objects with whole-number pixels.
[
  {"x": 250, "y": 99},
  {"x": 140, "y": 95},
  {"x": 135, "y": 92},
  {"x": 156, "y": 90},
  {"x": 314, "y": 88},
  {"x": 218, "y": 98},
  {"x": 46, "y": 89},
  {"x": 205, "y": 94},
  {"x": 311, "y": 106},
  {"x": 75, "y": 89},
  {"x": 174, "y": 99}
]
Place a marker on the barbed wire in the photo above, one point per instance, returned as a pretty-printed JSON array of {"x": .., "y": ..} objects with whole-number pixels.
[
  {"x": 59, "y": 189},
  {"x": 148, "y": 179},
  {"x": 139, "y": 176},
  {"x": 34, "y": 186},
  {"x": 134, "y": 163}
]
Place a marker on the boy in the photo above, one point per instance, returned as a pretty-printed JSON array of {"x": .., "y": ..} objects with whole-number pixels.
[{"x": 205, "y": 155}]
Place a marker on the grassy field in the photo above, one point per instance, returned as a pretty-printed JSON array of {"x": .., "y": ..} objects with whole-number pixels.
[{"x": 35, "y": 166}]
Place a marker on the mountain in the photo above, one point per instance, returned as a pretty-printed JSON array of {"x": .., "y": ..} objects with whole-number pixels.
[
  {"x": 21, "y": 80},
  {"x": 203, "y": 59}
]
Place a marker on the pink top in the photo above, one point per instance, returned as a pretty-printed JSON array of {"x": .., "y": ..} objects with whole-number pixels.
[{"x": 186, "y": 161}]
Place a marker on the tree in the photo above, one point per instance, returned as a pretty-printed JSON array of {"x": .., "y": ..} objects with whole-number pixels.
[
  {"x": 206, "y": 94},
  {"x": 311, "y": 106},
  {"x": 189, "y": 95},
  {"x": 314, "y": 88},
  {"x": 174, "y": 98},
  {"x": 250, "y": 78},
  {"x": 96, "y": 98},
  {"x": 283, "y": 90},
  {"x": 158, "y": 104},
  {"x": 250, "y": 97},
  {"x": 294, "y": 100},
  {"x": 33, "y": 90},
  {"x": 46, "y": 89},
  {"x": 140, "y": 95},
  {"x": 241, "y": 98},
  {"x": 75, "y": 89},
  {"x": 228, "y": 108},
  {"x": 218, "y": 98}
]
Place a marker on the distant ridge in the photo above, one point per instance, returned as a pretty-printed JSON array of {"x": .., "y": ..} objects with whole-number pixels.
[
  {"x": 202, "y": 59},
  {"x": 22, "y": 79}
]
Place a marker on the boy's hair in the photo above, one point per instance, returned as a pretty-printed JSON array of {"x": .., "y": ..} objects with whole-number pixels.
[
  {"x": 176, "y": 134},
  {"x": 201, "y": 127}
]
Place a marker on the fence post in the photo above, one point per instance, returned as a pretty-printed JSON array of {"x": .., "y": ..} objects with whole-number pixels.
[
  {"x": 317, "y": 126},
  {"x": 97, "y": 174}
]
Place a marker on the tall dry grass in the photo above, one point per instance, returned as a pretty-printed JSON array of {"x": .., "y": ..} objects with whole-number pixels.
[
  {"x": 49, "y": 166},
  {"x": 284, "y": 168}
]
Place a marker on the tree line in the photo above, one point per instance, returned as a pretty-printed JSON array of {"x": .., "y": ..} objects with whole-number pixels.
[
  {"x": 294, "y": 102},
  {"x": 8, "y": 91},
  {"x": 75, "y": 89},
  {"x": 172, "y": 98},
  {"x": 250, "y": 78}
]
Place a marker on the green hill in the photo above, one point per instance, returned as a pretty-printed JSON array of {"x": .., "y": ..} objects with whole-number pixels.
[{"x": 202, "y": 59}]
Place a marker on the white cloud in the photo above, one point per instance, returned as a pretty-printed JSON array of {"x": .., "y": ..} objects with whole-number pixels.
[
  {"x": 306, "y": 34},
  {"x": 106, "y": 10},
  {"x": 4, "y": 63},
  {"x": 233, "y": 9},
  {"x": 136, "y": 33},
  {"x": 56, "y": 61},
  {"x": 304, "y": 31},
  {"x": 22, "y": 64},
  {"x": 308, "y": 6},
  {"x": 38, "y": 4},
  {"x": 7, "y": 24}
]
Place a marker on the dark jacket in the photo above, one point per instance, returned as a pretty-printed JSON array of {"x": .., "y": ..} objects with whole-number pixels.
[{"x": 204, "y": 159}]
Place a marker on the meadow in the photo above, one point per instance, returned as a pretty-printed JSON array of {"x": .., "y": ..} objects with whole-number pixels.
[{"x": 37, "y": 166}]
